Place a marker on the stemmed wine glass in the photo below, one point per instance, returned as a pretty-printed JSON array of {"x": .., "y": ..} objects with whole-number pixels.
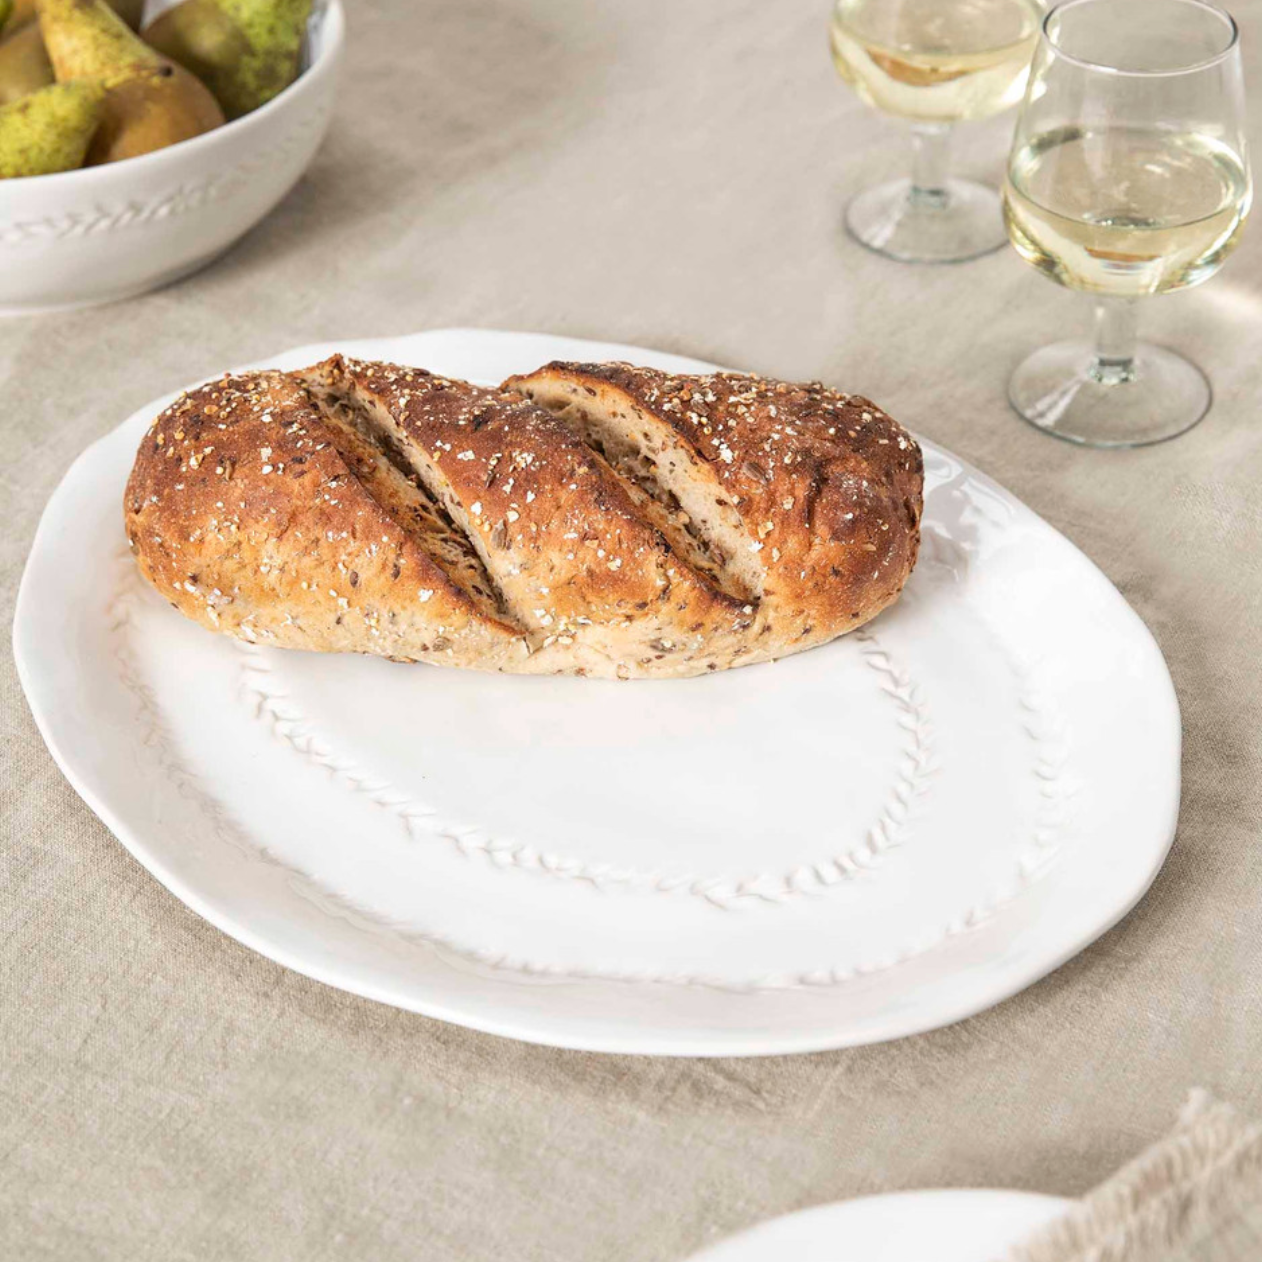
[
  {"x": 1128, "y": 176},
  {"x": 933, "y": 62}
]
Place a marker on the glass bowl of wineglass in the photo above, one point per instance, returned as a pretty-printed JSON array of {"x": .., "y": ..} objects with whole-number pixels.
[
  {"x": 933, "y": 63},
  {"x": 1128, "y": 176}
]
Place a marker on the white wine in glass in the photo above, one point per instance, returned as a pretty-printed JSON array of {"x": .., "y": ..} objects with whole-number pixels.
[
  {"x": 934, "y": 63},
  {"x": 1128, "y": 177},
  {"x": 1126, "y": 210}
]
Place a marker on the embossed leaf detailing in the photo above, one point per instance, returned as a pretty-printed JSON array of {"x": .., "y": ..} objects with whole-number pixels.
[
  {"x": 1042, "y": 725},
  {"x": 191, "y": 196},
  {"x": 912, "y": 779}
]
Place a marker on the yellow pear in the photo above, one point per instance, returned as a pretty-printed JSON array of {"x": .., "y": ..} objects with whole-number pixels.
[
  {"x": 245, "y": 51},
  {"x": 149, "y": 101},
  {"x": 49, "y": 130},
  {"x": 130, "y": 11},
  {"x": 24, "y": 65}
]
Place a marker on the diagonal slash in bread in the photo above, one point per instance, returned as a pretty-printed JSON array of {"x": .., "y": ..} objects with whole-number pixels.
[
  {"x": 808, "y": 499},
  {"x": 592, "y": 519}
]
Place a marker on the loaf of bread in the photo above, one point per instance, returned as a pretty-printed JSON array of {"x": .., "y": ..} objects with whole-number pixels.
[{"x": 586, "y": 519}]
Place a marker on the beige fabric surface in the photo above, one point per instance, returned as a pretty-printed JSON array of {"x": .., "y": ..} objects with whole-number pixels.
[
  {"x": 1193, "y": 1196},
  {"x": 669, "y": 174}
]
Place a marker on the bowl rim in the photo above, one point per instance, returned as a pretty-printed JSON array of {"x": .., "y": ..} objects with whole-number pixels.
[{"x": 333, "y": 36}]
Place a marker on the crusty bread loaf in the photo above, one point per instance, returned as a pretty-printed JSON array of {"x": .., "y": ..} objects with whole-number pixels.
[{"x": 592, "y": 519}]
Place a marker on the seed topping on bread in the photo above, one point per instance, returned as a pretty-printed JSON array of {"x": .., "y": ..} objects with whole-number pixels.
[{"x": 597, "y": 519}]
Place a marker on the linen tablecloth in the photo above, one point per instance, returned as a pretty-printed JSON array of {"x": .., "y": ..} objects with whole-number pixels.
[{"x": 671, "y": 175}]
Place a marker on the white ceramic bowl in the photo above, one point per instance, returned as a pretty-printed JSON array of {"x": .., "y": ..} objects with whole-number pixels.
[{"x": 109, "y": 232}]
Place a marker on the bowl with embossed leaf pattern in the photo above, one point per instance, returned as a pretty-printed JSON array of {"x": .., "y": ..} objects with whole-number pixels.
[{"x": 108, "y": 232}]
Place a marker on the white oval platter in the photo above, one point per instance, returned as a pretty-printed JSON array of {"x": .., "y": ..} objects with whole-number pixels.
[
  {"x": 868, "y": 840},
  {"x": 947, "y": 1225}
]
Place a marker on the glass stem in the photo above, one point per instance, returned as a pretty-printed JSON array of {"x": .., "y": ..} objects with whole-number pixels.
[
  {"x": 931, "y": 161},
  {"x": 1116, "y": 322}
]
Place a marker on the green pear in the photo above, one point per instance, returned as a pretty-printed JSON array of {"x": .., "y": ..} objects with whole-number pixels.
[
  {"x": 149, "y": 101},
  {"x": 245, "y": 51},
  {"x": 201, "y": 37},
  {"x": 24, "y": 65},
  {"x": 49, "y": 130}
]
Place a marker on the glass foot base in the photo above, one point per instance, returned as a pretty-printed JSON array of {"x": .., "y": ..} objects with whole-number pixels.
[
  {"x": 1057, "y": 392},
  {"x": 962, "y": 223}
]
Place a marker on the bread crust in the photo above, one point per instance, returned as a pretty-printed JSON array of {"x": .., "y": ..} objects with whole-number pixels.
[
  {"x": 828, "y": 487},
  {"x": 258, "y": 510},
  {"x": 243, "y": 514},
  {"x": 599, "y": 589}
]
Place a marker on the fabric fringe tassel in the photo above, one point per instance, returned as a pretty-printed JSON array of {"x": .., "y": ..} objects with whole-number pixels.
[{"x": 1195, "y": 1196}]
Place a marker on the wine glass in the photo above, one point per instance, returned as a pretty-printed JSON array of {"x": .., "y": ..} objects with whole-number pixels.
[
  {"x": 933, "y": 62},
  {"x": 1128, "y": 176}
]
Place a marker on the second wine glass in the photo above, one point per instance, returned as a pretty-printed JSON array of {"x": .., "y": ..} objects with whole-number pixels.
[
  {"x": 1129, "y": 176},
  {"x": 934, "y": 63}
]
